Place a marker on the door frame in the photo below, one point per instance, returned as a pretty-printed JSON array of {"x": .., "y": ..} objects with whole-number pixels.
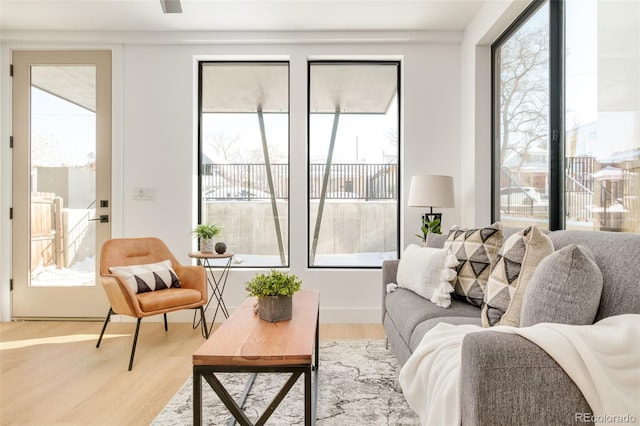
[{"x": 88, "y": 302}]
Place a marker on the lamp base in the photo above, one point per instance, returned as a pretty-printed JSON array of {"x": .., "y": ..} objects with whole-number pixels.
[{"x": 430, "y": 217}]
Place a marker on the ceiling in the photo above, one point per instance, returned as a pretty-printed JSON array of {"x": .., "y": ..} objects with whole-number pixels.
[{"x": 239, "y": 15}]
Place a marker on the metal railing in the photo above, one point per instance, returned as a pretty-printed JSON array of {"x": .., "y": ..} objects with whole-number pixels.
[
  {"x": 243, "y": 181},
  {"x": 346, "y": 181},
  {"x": 514, "y": 199},
  {"x": 355, "y": 181},
  {"x": 579, "y": 192}
]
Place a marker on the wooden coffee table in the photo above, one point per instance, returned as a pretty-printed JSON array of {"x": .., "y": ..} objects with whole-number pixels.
[{"x": 245, "y": 343}]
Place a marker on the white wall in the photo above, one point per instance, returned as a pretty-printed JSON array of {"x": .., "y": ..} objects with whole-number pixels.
[
  {"x": 445, "y": 130},
  {"x": 155, "y": 143},
  {"x": 160, "y": 140}
]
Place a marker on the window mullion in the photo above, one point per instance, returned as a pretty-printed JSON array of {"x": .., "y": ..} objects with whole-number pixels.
[{"x": 556, "y": 116}]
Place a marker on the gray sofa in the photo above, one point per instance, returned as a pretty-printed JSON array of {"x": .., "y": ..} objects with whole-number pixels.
[{"x": 506, "y": 379}]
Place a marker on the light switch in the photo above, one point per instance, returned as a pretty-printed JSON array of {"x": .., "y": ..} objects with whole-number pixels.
[{"x": 145, "y": 193}]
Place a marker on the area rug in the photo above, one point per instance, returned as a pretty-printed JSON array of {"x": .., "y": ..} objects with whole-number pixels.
[{"x": 358, "y": 385}]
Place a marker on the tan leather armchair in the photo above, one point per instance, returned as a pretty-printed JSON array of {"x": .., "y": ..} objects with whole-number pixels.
[{"x": 124, "y": 301}]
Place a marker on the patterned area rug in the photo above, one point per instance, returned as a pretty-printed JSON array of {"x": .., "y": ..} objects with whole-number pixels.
[{"x": 358, "y": 385}]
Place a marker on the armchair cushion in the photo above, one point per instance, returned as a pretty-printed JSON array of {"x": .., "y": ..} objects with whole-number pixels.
[
  {"x": 167, "y": 299},
  {"x": 149, "y": 277}
]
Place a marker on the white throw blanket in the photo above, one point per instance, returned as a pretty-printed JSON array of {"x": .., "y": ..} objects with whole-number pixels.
[{"x": 602, "y": 359}]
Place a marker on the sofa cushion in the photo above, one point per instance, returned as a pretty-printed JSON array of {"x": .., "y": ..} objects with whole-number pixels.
[
  {"x": 565, "y": 288},
  {"x": 476, "y": 250},
  {"x": 406, "y": 309},
  {"x": 148, "y": 277},
  {"x": 510, "y": 274},
  {"x": 617, "y": 254},
  {"x": 422, "y": 328},
  {"x": 422, "y": 269}
]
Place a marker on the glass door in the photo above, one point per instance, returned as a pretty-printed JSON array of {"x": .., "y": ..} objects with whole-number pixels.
[{"x": 61, "y": 182}]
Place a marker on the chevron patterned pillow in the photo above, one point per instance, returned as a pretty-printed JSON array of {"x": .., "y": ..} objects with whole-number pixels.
[
  {"x": 515, "y": 264},
  {"x": 150, "y": 277},
  {"x": 475, "y": 249}
]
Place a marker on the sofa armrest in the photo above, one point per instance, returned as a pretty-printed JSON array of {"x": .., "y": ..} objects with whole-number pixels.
[
  {"x": 389, "y": 271},
  {"x": 506, "y": 380}
]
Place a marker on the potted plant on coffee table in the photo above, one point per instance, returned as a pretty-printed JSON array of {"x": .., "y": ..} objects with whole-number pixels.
[
  {"x": 206, "y": 233},
  {"x": 275, "y": 292}
]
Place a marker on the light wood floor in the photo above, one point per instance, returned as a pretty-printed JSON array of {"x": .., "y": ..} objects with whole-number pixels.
[{"x": 52, "y": 374}]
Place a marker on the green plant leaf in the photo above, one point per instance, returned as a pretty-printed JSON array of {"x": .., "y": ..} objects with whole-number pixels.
[
  {"x": 275, "y": 283},
  {"x": 429, "y": 226},
  {"x": 206, "y": 231}
]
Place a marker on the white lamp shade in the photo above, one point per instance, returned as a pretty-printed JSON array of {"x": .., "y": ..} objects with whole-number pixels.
[{"x": 431, "y": 191}]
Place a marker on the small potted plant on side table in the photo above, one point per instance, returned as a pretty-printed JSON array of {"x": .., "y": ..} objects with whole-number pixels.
[
  {"x": 275, "y": 292},
  {"x": 206, "y": 232}
]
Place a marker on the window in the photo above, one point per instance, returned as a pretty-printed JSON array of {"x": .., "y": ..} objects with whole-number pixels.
[
  {"x": 521, "y": 94},
  {"x": 590, "y": 176},
  {"x": 602, "y": 119},
  {"x": 244, "y": 158},
  {"x": 353, "y": 163}
]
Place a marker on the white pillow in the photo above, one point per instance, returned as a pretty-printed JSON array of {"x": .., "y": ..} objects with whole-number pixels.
[
  {"x": 150, "y": 277},
  {"x": 427, "y": 272}
]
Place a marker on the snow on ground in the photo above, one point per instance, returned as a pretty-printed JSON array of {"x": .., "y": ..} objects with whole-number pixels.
[{"x": 79, "y": 274}]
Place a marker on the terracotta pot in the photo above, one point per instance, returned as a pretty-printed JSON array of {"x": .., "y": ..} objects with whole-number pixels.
[{"x": 275, "y": 308}]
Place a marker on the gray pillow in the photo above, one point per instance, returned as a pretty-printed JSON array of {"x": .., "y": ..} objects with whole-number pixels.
[{"x": 565, "y": 288}]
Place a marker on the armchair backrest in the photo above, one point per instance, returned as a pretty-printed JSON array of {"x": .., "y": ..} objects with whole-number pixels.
[{"x": 133, "y": 251}]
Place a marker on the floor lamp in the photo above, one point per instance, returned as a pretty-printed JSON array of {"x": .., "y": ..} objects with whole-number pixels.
[{"x": 431, "y": 191}]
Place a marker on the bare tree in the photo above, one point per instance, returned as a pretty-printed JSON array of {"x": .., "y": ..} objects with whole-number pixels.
[
  {"x": 245, "y": 168},
  {"x": 524, "y": 93},
  {"x": 224, "y": 145},
  {"x": 228, "y": 147},
  {"x": 49, "y": 150}
]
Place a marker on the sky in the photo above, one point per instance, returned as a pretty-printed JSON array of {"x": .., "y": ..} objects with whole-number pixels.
[
  {"x": 69, "y": 129},
  {"x": 364, "y": 135}
]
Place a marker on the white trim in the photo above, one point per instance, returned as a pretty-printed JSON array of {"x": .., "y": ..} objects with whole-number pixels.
[{"x": 231, "y": 38}]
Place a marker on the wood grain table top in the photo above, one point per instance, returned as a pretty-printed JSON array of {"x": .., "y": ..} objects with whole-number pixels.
[{"x": 246, "y": 340}]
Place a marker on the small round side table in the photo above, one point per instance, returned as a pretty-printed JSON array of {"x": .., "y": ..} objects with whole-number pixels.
[{"x": 217, "y": 284}]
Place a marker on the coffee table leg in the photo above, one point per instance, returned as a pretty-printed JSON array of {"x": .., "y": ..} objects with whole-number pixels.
[
  {"x": 314, "y": 401},
  {"x": 307, "y": 397},
  {"x": 197, "y": 398}
]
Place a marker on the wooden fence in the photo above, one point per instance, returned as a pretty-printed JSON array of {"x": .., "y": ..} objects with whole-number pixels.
[{"x": 47, "y": 244}]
